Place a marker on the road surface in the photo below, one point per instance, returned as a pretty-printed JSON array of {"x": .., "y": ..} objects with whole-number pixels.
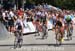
[{"x": 32, "y": 43}]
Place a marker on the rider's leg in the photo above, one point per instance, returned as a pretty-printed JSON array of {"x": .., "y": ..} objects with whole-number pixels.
[
  {"x": 71, "y": 28},
  {"x": 16, "y": 42},
  {"x": 56, "y": 32},
  {"x": 67, "y": 29},
  {"x": 20, "y": 41},
  {"x": 62, "y": 34},
  {"x": 38, "y": 33},
  {"x": 44, "y": 35},
  {"x": 71, "y": 32}
]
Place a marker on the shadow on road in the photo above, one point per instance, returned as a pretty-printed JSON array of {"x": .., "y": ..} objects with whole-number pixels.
[{"x": 73, "y": 44}]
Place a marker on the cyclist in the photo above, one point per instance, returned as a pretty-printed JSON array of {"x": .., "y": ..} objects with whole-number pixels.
[
  {"x": 18, "y": 33},
  {"x": 68, "y": 21},
  {"x": 44, "y": 29},
  {"x": 59, "y": 31}
]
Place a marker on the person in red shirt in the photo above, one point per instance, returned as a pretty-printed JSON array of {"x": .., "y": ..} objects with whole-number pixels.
[{"x": 20, "y": 12}]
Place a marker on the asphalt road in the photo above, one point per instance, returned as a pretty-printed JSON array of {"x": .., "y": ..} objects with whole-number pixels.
[{"x": 35, "y": 43}]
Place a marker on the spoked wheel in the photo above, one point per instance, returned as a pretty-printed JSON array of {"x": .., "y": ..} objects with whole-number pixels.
[
  {"x": 69, "y": 36},
  {"x": 18, "y": 44},
  {"x": 15, "y": 45},
  {"x": 18, "y": 40},
  {"x": 58, "y": 39},
  {"x": 45, "y": 32},
  {"x": 45, "y": 35}
]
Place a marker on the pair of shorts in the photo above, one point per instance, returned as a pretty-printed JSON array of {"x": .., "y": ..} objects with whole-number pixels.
[
  {"x": 11, "y": 23},
  {"x": 58, "y": 23}
]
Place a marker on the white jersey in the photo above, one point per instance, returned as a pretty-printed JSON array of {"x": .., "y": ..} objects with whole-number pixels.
[
  {"x": 3, "y": 14},
  {"x": 38, "y": 13},
  {"x": 18, "y": 21},
  {"x": 11, "y": 14}
]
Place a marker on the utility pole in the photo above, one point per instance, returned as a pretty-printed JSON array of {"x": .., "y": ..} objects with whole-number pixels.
[
  {"x": 1, "y": 1},
  {"x": 1, "y": 4},
  {"x": 17, "y": 4},
  {"x": 23, "y": 2}
]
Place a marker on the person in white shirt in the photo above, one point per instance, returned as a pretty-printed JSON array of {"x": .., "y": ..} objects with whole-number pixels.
[
  {"x": 5, "y": 18},
  {"x": 11, "y": 21}
]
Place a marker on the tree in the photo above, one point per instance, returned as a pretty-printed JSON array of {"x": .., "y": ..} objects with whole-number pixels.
[{"x": 66, "y": 4}]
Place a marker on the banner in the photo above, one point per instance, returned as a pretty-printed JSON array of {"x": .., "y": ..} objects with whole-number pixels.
[
  {"x": 50, "y": 25},
  {"x": 29, "y": 27}
]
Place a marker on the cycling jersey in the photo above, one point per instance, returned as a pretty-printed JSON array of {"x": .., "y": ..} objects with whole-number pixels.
[
  {"x": 58, "y": 23},
  {"x": 19, "y": 24},
  {"x": 68, "y": 18}
]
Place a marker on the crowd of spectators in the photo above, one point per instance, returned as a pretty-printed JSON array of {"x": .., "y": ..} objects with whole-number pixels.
[{"x": 38, "y": 15}]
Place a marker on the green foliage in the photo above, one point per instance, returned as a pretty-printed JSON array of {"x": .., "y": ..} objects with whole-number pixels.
[{"x": 66, "y": 4}]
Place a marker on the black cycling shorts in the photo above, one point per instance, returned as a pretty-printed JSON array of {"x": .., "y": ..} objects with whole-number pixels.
[
  {"x": 68, "y": 21},
  {"x": 58, "y": 23}
]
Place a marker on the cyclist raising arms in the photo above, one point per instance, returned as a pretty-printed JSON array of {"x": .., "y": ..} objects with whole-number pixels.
[{"x": 18, "y": 32}]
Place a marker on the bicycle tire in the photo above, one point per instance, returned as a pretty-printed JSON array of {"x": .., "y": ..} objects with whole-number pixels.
[
  {"x": 58, "y": 37},
  {"x": 18, "y": 40}
]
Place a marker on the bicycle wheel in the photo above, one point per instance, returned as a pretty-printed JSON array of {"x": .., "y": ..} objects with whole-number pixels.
[
  {"x": 20, "y": 41},
  {"x": 15, "y": 43},
  {"x": 16, "y": 40},
  {"x": 58, "y": 37},
  {"x": 70, "y": 32},
  {"x": 44, "y": 31}
]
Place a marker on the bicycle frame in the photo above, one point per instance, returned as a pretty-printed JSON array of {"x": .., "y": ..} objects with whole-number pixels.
[
  {"x": 18, "y": 39},
  {"x": 58, "y": 35},
  {"x": 44, "y": 31},
  {"x": 69, "y": 33}
]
